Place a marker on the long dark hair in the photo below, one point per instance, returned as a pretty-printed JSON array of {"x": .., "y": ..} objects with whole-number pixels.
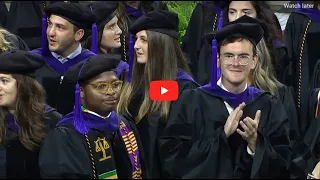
[
  {"x": 29, "y": 113},
  {"x": 156, "y": 68}
]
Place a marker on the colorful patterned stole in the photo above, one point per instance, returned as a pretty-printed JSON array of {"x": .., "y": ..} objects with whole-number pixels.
[
  {"x": 130, "y": 142},
  {"x": 101, "y": 154}
]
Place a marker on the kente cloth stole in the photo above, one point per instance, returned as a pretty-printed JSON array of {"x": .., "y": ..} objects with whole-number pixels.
[
  {"x": 130, "y": 142},
  {"x": 101, "y": 155}
]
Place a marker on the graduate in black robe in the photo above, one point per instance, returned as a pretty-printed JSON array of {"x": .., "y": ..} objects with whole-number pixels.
[
  {"x": 214, "y": 133},
  {"x": 208, "y": 16},
  {"x": 23, "y": 129},
  {"x": 158, "y": 30},
  {"x": 101, "y": 44},
  {"x": 301, "y": 33},
  {"x": 93, "y": 141},
  {"x": 62, "y": 52}
]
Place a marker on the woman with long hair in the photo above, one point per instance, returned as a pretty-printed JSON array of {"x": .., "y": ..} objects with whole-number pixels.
[
  {"x": 157, "y": 57},
  {"x": 25, "y": 118}
]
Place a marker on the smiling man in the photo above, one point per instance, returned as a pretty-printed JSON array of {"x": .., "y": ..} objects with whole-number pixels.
[
  {"x": 67, "y": 24},
  {"x": 230, "y": 130}
]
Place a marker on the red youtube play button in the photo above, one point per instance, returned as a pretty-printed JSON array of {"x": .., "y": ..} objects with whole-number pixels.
[{"x": 164, "y": 90}]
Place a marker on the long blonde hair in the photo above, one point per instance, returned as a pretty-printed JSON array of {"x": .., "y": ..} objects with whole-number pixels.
[
  {"x": 157, "y": 68},
  {"x": 5, "y": 45},
  {"x": 263, "y": 74}
]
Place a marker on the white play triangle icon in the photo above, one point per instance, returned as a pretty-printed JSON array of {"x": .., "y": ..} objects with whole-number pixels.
[{"x": 163, "y": 90}]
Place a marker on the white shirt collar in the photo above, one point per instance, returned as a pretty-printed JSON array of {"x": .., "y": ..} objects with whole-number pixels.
[
  {"x": 219, "y": 83},
  {"x": 71, "y": 56},
  {"x": 91, "y": 112}
]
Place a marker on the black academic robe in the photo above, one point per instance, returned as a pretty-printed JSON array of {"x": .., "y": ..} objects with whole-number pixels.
[
  {"x": 24, "y": 20},
  {"x": 150, "y": 128},
  {"x": 301, "y": 40},
  {"x": 285, "y": 96},
  {"x": 17, "y": 162},
  {"x": 282, "y": 65},
  {"x": 65, "y": 154},
  {"x": 306, "y": 153},
  {"x": 51, "y": 75},
  {"x": 194, "y": 144}
]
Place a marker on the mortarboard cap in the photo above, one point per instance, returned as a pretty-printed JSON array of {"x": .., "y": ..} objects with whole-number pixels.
[
  {"x": 93, "y": 66},
  {"x": 85, "y": 70},
  {"x": 161, "y": 21},
  {"x": 20, "y": 62},
  {"x": 104, "y": 11},
  {"x": 249, "y": 27},
  {"x": 76, "y": 13},
  {"x": 246, "y": 26}
]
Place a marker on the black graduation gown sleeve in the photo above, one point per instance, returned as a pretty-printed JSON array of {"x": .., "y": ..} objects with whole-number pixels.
[
  {"x": 273, "y": 145},
  {"x": 306, "y": 154},
  {"x": 184, "y": 152},
  {"x": 189, "y": 149},
  {"x": 283, "y": 68},
  {"x": 286, "y": 97},
  {"x": 67, "y": 159}
]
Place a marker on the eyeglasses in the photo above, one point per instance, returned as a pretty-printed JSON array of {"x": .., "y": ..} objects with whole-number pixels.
[
  {"x": 103, "y": 88},
  {"x": 229, "y": 59}
]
